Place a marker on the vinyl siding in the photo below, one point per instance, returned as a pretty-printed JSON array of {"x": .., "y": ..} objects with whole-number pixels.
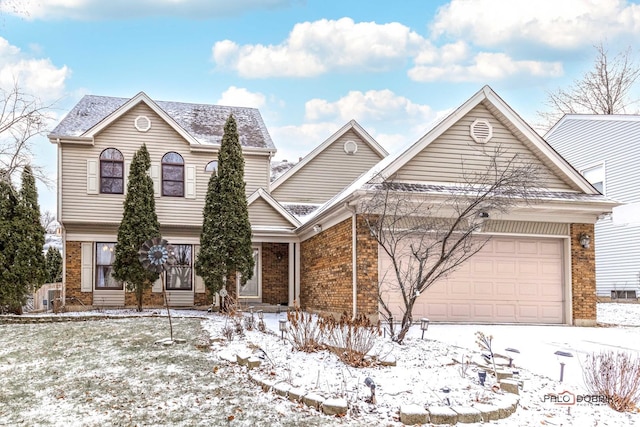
[
  {"x": 327, "y": 173},
  {"x": 110, "y": 298},
  {"x": 262, "y": 214},
  {"x": 613, "y": 141},
  {"x": 454, "y": 154},
  {"x": 78, "y": 205}
]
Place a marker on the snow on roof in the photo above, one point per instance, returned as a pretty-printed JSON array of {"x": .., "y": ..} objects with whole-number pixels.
[{"x": 205, "y": 122}]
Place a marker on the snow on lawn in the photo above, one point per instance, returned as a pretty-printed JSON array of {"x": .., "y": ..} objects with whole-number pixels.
[
  {"x": 426, "y": 369},
  {"x": 107, "y": 372}
]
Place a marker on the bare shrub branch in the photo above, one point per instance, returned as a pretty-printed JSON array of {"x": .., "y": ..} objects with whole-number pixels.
[
  {"x": 351, "y": 339},
  {"x": 615, "y": 376},
  {"x": 304, "y": 333}
]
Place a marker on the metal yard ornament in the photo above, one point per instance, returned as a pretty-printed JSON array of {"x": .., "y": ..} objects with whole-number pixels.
[{"x": 156, "y": 255}]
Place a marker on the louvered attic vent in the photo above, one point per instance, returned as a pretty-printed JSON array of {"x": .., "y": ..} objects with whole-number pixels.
[{"x": 481, "y": 131}]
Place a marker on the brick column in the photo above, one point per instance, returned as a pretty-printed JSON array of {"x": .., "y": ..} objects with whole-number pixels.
[
  {"x": 72, "y": 279},
  {"x": 583, "y": 276}
]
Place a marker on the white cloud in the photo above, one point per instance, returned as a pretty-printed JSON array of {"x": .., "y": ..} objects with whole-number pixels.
[
  {"x": 38, "y": 77},
  {"x": 373, "y": 105},
  {"x": 294, "y": 142},
  {"x": 484, "y": 66},
  {"x": 241, "y": 97},
  {"x": 314, "y": 48},
  {"x": 562, "y": 24},
  {"x": 101, "y": 9}
]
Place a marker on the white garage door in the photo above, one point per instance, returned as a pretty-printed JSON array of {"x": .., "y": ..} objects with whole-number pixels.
[{"x": 510, "y": 280}]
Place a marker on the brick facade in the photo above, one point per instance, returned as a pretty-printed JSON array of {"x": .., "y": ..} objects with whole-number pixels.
[
  {"x": 72, "y": 277},
  {"x": 583, "y": 276},
  {"x": 275, "y": 273},
  {"x": 326, "y": 273}
]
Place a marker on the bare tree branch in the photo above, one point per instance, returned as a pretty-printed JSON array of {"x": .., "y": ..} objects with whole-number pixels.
[
  {"x": 427, "y": 232},
  {"x": 22, "y": 117},
  {"x": 605, "y": 89}
]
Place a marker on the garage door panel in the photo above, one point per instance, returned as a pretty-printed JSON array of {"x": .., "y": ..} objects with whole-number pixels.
[{"x": 510, "y": 280}]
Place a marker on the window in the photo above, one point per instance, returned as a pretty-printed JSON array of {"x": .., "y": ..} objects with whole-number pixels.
[
  {"x": 179, "y": 276},
  {"x": 595, "y": 175},
  {"x": 105, "y": 256},
  {"x": 212, "y": 166},
  {"x": 111, "y": 171},
  {"x": 172, "y": 175},
  {"x": 623, "y": 294}
]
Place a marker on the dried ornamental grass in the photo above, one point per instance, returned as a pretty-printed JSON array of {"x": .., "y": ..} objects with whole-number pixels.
[{"x": 615, "y": 376}]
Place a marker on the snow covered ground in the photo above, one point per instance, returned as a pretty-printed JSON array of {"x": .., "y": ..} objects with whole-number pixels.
[{"x": 109, "y": 372}]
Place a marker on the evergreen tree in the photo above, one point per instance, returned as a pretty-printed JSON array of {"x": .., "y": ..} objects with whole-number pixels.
[
  {"x": 9, "y": 297},
  {"x": 54, "y": 265},
  {"x": 21, "y": 242},
  {"x": 139, "y": 223},
  {"x": 226, "y": 232}
]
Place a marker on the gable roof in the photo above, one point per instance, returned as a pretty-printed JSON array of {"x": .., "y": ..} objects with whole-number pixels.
[
  {"x": 596, "y": 127},
  {"x": 197, "y": 123},
  {"x": 351, "y": 125},
  {"x": 260, "y": 193},
  {"x": 391, "y": 164}
]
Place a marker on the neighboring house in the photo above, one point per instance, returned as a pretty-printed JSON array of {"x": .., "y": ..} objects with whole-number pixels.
[
  {"x": 310, "y": 241},
  {"x": 605, "y": 149}
]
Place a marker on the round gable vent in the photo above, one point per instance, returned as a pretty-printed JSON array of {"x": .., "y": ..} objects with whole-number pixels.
[
  {"x": 350, "y": 147},
  {"x": 481, "y": 131},
  {"x": 142, "y": 123}
]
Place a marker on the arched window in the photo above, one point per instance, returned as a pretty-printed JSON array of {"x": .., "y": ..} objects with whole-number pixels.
[
  {"x": 212, "y": 166},
  {"x": 111, "y": 171},
  {"x": 172, "y": 175}
]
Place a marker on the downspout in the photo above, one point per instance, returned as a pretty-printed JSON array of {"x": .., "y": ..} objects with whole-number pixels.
[
  {"x": 63, "y": 231},
  {"x": 354, "y": 259}
]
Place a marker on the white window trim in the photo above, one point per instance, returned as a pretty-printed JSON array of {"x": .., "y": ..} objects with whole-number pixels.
[
  {"x": 258, "y": 273},
  {"x": 595, "y": 165}
]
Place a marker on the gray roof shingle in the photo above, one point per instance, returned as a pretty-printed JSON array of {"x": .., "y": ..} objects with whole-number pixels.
[{"x": 205, "y": 122}]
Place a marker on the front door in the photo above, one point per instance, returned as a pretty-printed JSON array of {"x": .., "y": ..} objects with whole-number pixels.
[{"x": 252, "y": 290}]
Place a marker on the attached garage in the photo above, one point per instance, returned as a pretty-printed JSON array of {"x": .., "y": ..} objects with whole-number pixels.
[{"x": 512, "y": 280}]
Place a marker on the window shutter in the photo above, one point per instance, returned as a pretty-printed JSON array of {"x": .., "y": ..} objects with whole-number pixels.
[
  {"x": 155, "y": 177},
  {"x": 157, "y": 285},
  {"x": 86, "y": 272},
  {"x": 199, "y": 281},
  {"x": 92, "y": 176},
  {"x": 127, "y": 166},
  {"x": 190, "y": 182}
]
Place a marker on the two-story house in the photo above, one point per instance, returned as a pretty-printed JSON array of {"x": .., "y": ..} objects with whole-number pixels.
[
  {"x": 310, "y": 243},
  {"x": 605, "y": 149}
]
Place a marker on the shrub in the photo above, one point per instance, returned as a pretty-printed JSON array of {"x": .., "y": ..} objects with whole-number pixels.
[
  {"x": 351, "y": 339},
  {"x": 615, "y": 376},
  {"x": 304, "y": 332}
]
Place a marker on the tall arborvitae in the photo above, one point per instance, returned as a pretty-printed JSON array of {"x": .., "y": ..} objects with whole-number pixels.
[
  {"x": 226, "y": 231},
  {"x": 22, "y": 263},
  {"x": 211, "y": 261},
  {"x": 9, "y": 297},
  {"x": 30, "y": 263},
  {"x": 139, "y": 223}
]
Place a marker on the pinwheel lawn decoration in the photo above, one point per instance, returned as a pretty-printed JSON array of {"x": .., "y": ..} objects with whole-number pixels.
[{"x": 156, "y": 255}]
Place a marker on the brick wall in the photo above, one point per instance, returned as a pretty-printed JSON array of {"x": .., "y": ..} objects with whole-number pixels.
[
  {"x": 367, "y": 268},
  {"x": 325, "y": 271},
  {"x": 275, "y": 273},
  {"x": 73, "y": 270},
  {"x": 583, "y": 277},
  {"x": 326, "y": 281}
]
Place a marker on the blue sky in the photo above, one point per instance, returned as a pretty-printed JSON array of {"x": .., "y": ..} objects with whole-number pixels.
[{"x": 309, "y": 66}]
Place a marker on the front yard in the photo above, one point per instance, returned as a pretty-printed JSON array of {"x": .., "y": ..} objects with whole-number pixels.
[{"x": 112, "y": 372}]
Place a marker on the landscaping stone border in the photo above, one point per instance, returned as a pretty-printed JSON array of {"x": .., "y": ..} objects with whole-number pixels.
[{"x": 409, "y": 414}]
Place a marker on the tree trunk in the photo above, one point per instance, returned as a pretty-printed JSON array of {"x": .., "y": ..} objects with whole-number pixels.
[{"x": 407, "y": 320}]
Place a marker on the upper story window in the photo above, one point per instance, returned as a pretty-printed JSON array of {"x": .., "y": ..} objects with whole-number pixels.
[
  {"x": 212, "y": 166},
  {"x": 111, "y": 171},
  {"x": 595, "y": 175},
  {"x": 173, "y": 175}
]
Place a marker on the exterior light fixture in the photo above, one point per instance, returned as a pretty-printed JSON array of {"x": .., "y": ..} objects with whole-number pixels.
[
  {"x": 562, "y": 354},
  {"x": 511, "y": 350},
  {"x": 482, "y": 377},
  {"x": 372, "y": 386},
  {"x": 585, "y": 240},
  {"x": 282, "y": 326},
  {"x": 261, "y": 315},
  {"x": 317, "y": 228},
  {"x": 424, "y": 325}
]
